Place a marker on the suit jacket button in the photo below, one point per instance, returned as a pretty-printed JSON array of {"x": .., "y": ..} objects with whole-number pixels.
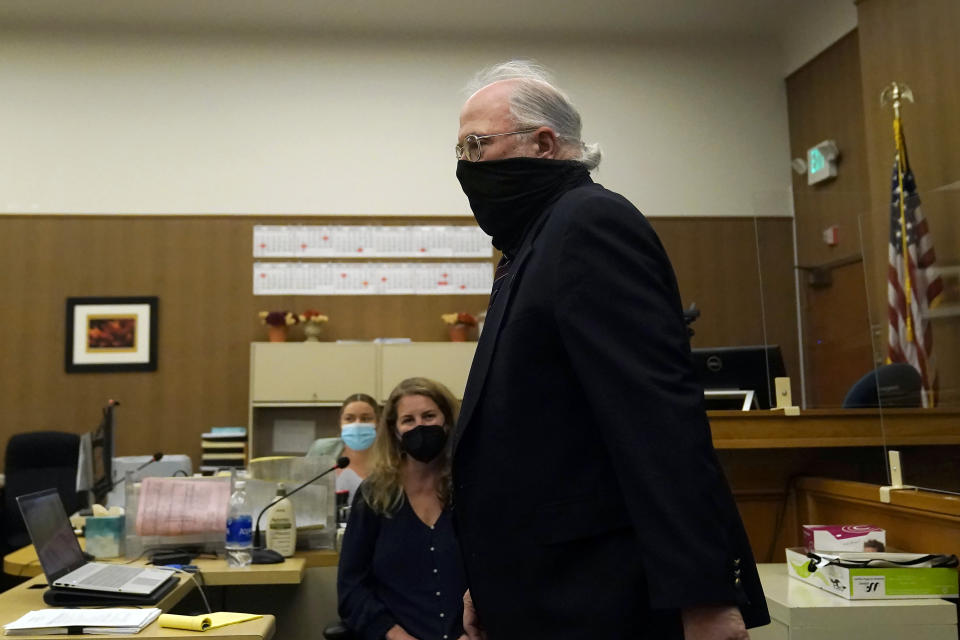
[
  {"x": 736, "y": 562},
  {"x": 737, "y": 582}
]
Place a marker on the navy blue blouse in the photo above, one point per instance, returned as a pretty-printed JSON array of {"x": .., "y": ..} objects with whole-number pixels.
[{"x": 398, "y": 570}]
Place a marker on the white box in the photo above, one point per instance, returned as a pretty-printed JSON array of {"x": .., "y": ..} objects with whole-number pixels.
[{"x": 869, "y": 583}]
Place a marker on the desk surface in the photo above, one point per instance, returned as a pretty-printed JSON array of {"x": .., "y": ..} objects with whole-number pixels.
[
  {"x": 29, "y": 596},
  {"x": 834, "y": 428},
  {"x": 24, "y": 563}
]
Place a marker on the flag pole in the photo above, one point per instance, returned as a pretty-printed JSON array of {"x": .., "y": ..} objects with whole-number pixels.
[{"x": 892, "y": 95}]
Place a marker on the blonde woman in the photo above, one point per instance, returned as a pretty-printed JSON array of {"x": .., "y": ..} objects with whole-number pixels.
[{"x": 400, "y": 574}]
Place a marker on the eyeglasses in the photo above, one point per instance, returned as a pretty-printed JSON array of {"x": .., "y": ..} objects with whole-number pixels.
[{"x": 471, "y": 149}]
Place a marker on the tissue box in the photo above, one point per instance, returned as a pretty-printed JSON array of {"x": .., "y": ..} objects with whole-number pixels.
[
  {"x": 104, "y": 535},
  {"x": 845, "y": 537},
  {"x": 874, "y": 583}
]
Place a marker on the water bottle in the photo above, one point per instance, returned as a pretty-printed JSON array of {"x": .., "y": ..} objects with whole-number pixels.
[{"x": 239, "y": 527}]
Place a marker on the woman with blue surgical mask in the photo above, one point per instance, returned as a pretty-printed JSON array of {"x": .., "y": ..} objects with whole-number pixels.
[{"x": 358, "y": 430}]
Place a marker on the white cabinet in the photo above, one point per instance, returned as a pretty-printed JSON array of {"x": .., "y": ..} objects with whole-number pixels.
[
  {"x": 446, "y": 362},
  {"x": 296, "y": 388},
  {"x": 311, "y": 371},
  {"x": 799, "y": 611}
]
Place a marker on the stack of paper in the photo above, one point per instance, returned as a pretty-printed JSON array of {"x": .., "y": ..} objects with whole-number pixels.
[{"x": 73, "y": 621}]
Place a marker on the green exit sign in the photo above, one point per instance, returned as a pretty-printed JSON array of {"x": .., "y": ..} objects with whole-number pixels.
[
  {"x": 822, "y": 162},
  {"x": 815, "y": 161}
]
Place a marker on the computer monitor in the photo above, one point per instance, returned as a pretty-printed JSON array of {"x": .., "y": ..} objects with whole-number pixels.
[
  {"x": 747, "y": 368},
  {"x": 103, "y": 450}
]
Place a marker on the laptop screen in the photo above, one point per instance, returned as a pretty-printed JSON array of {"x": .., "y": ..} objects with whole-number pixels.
[{"x": 51, "y": 533}]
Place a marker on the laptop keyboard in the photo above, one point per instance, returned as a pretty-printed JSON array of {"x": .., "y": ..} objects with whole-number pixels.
[{"x": 110, "y": 576}]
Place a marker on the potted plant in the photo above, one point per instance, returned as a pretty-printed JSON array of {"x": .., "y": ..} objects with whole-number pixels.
[
  {"x": 313, "y": 322},
  {"x": 278, "y": 324},
  {"x": 459, "y": 325}
]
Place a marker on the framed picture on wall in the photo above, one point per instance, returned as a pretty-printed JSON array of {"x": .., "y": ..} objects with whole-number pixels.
[{"x": 111, "y": 334}]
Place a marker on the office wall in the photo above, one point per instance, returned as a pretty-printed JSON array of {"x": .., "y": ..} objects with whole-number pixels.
[
  {"x": 151, "y": 122},
  {"x": 811, "y": 26},
  {"x": 914, "y": 41},
  {"x": 200, "y": 268},
  {"x": 824, "y": 103}
]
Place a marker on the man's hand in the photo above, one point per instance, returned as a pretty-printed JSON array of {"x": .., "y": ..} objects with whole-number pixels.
[
  {"x": 713, "y": 623},
  {"x": 471, "y": 622},
  {"x": 396, "y": 632}
]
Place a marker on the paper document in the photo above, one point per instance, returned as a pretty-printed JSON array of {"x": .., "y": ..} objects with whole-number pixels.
[
  {"x": 204, "y": 622},
  {"x": 181, "y": 506},
  {"x": 62, "y": 621}
]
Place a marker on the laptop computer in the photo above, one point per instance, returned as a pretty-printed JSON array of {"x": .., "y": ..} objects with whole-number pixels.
[{"x": 63, "y": 562}]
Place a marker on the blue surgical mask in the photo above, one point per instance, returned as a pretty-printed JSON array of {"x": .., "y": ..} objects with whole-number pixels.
[{"x": 358, "y": 435}]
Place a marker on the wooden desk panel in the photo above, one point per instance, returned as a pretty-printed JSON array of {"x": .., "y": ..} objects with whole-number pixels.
[{"x": 217, "y": 573}]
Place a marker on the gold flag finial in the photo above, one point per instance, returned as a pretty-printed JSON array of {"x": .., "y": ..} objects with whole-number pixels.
[{"x": 893, "y": 93}]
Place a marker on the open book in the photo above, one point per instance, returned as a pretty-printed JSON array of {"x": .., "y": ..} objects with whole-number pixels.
[
  {"x": 74, "y": 621},
  {"x": 204, "y": 622}
]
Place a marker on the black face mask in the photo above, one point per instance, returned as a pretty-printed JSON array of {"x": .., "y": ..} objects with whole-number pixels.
[
  {"x": 507, "y": 195},
  {"x": 424, "y": 442}
]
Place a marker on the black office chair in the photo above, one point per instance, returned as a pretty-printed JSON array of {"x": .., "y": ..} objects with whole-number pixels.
[
  {"x": 337, "y": 631},
  {"x": 889, "y": 385},
  {"x": 35, "y": 461}
]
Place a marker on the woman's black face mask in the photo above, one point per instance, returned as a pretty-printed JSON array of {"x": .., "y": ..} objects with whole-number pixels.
[{"x": 424, "y": 442}]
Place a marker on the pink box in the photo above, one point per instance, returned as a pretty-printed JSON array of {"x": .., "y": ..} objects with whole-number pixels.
[{"x": 844, "y": 537}]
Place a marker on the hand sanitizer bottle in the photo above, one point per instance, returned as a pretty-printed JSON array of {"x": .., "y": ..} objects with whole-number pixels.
[{"x": 282, "y": 525}]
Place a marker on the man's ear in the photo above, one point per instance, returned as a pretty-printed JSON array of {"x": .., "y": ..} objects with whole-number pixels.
[{"x": 548, "y": 144}]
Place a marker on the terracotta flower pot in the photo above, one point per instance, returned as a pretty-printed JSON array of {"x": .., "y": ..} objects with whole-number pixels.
[
  {"x": 277, "y": 334},
  {"x": 458, "y": 332}
]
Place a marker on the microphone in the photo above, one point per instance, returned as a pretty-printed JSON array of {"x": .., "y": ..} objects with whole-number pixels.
[
  {"x": 157, "y": 457},
  {"x": 342, "y": 463}
]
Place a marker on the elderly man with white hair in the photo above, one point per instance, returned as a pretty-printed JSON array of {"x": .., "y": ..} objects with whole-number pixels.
[{"x": 588, "y": 498}]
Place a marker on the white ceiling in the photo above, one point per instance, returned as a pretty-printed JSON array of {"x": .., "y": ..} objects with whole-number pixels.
[{"x": 455, "y": 18}]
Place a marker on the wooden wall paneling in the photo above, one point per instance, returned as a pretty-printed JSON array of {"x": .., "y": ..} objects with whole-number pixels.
[
  {"x": 914, "y": 41},
  {"x": 824, "y": 102},
  {"x": 201, "y": 270},
  {"x": 778, "y": 285},
  {"x": 837, "y": 340},
  {"x": 716, "y": 262}
]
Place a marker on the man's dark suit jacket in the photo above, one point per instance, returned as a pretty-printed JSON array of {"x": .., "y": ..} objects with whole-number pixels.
[{"x": 588, "y": 498}]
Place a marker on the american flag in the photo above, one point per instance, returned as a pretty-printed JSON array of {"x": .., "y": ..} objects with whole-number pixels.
[{"x": 911, "y": 276}]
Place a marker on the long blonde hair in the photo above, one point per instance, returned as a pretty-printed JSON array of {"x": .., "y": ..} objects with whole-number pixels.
[{"x": 383, "y": 487}]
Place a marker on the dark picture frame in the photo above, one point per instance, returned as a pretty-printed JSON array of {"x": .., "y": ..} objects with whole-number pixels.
[{"x": 111, "y": 334}]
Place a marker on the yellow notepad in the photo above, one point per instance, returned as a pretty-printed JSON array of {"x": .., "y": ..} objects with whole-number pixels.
[{"x": 204, "y": 622}]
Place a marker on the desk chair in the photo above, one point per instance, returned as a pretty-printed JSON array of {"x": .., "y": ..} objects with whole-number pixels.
[
  {"x": 35, "y": 461},
  {"x": 889, "y": 385},
  {"x": 332, "y": 447},
  {"x": 337, "y": 631}
]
